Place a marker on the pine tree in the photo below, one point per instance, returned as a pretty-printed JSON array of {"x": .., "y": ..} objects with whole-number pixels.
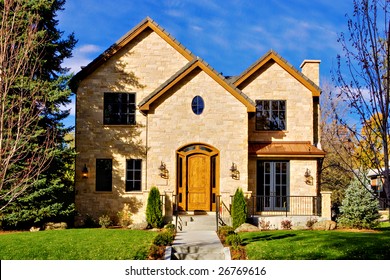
[
  {"x": 359, "y": 208},
  {"x": 46, "y": 193},
  {"x": 154, "y": 215},
  {"x": 239, "y": 208}
]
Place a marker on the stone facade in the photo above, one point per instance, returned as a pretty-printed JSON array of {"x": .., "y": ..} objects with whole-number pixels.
[{"x": 148, "y": 60}]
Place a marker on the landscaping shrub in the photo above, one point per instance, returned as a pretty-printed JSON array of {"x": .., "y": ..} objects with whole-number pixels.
[
  {"x": 233, "y": 240},
  {"x": 124, "y": 218},
  {"x": 359, "y": 208},
  {"x": 105, "y": 221},
  {"x": 164, "y": 238},
  {"x": 224, "y": 232},
  {"x": 286, "y": 224},
  {"x": 239, "y": 208},
  {"x": 154, "y": 215},
  {"x": 264, "y": 225}
]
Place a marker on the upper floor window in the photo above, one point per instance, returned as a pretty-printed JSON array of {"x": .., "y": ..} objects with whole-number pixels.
[
  {"x": 133, "y": 174},
  {"x": 271, "y": 115},
  {"x": 104, "y": 175},
  {"x": 119, "y": 108},
  {"x": 197, "y": 105}
]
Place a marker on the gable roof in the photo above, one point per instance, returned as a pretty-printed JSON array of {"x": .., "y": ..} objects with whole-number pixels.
[
  {"x": 274, "y": 56},
  {"x": 186, "y": 70},
  {"x": 123, "y": 41}
]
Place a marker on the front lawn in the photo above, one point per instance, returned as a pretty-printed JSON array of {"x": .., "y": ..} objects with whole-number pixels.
[
  {"x": 317, "y": 245},
  {"x": 76, "y": 244}
]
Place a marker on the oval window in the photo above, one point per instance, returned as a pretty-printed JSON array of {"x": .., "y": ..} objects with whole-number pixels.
[{"x": 197, "y": 105}]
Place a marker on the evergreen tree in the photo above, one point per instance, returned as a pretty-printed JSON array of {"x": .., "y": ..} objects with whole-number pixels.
[
  {"x": 47, "y": 195},
  {"x": 154, "y": 215},
  {"x": 239, "y": 208},
  {"x": 359, "y": 208}
]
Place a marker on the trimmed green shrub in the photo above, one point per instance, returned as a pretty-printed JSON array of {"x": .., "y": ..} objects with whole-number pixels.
[
  {"x": 233, "y": 240},
  {"x": 154, "y": 215},
  {"x": 239, "y": 208},
  {"x": 164, "y": 238},
  {"x": 359, "y": 208}
]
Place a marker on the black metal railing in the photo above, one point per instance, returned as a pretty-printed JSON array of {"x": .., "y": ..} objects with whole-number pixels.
[
  {"x": 223, "y": 212},
  {"x": 178, "y": 220},
  {"x": 285, "y": 205}
]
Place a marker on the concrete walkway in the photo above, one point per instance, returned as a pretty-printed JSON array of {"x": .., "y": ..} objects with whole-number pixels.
[{"x": 198, "y": 241}]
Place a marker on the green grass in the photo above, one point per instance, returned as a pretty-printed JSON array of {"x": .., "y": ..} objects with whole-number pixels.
[
  {"x": 317, "y": 245},
  {"x": 76, "y": 244}
]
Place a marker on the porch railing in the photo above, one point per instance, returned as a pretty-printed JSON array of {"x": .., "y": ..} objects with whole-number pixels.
[{"x": 285, "y": 205}]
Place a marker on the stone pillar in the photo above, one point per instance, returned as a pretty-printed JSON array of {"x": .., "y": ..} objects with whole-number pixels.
[{"x": 326, "y": 205}]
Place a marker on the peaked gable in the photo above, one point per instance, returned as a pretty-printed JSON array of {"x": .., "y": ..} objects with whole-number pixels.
[
  {"x": 123, "y": 41},
  {"x": 274, "y": 56},
  {"x": 186, "y": 70}
]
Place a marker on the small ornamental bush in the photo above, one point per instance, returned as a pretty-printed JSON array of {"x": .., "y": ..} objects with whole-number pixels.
[
  {"x": 164, "y": 238},
  {"x": 239, "y": 208},
  {"x": 359, "y": 208},
  {"x": 105, "y": 221},
  {"x": 154, "y": 215},
  {"x": 233, "y": 240},
  {"x": 224, "y": 232},
  {"x": 264, "y": 225},
  {"x": 286, "y": 224}
]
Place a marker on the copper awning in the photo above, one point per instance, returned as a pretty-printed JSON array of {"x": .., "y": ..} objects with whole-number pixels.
[{"x": 283, "y": 149}]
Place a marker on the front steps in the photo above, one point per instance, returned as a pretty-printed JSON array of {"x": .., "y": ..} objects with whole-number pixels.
[{"x": 196, "y": 239}]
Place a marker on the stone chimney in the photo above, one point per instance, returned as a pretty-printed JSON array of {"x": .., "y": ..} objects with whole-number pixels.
[{"x": 311, "y": 69}]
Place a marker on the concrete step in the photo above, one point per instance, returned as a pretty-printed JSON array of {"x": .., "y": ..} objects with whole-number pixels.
[{"x": 198, "y": 222}]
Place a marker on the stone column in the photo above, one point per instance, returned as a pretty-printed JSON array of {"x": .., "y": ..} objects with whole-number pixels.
[{"x": 326, "y": 205}]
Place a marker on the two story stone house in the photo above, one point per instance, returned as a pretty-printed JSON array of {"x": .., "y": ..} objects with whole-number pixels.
[{"x": 151, "y": 113}]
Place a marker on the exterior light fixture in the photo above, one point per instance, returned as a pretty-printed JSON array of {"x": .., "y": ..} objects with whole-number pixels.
[
  {"x": 234, "y": 172},
  {"x": 84, "y": 172},
  {"x": 164, "y": 173},
  {"x": 308, "y": 177}
]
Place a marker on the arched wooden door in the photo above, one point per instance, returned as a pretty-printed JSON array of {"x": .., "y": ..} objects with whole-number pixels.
[{"x": 197, "y": 177}]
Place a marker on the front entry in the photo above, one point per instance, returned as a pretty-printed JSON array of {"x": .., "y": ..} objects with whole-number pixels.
[{"x": 197, "y": 173}]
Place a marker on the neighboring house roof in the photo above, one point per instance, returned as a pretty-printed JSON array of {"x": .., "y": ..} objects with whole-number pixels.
[
  {"x": 124, "y": 40},
  {"x": 274, "y": 56},
  {"x": 281, "y": 149},
  {"x": 187, "y": 69}
]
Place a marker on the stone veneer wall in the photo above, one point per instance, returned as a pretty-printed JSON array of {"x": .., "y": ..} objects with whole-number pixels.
[
  {"x": 223, "y": 125},
  {"x": 150, "y": 59}
]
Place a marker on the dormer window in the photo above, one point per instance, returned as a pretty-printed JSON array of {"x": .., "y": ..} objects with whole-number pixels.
[{"x": 271, "y": 115}]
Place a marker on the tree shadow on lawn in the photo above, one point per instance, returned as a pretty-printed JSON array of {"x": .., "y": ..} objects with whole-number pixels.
[
  {"x": 324, "y": 245},
  {"x": 267, "y": 237}
]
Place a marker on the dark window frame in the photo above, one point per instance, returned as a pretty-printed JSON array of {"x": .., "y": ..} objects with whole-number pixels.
[
  {"x": 271, "y": 115},
  {"x": 197, "y": 105},
  {"x": 103, "y": 175},
  {"x": 133, "y": 175},
  {"x": 119, "y": 108}
]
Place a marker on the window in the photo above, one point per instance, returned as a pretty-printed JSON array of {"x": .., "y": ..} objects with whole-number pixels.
[
  {"x": 133, "y": 174},
  {"x": 271, "y": 115},
  {"x": 119, "y": 108},
  {"x": 103, "y": 175},
  {"x": 197, "y": 105}
]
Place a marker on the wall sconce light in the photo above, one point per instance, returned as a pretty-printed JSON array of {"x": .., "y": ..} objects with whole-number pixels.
[
  {"x": 234, "y": 172},
  {"x": 164, "y": 173},
  {"x": 308, "y": 177},
  {"x": 84, "y": 172}
]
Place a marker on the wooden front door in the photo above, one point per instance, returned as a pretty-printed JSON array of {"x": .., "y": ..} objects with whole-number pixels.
[
  {"x": 198, "y": 185},
  {"x": 197, "y": 177}
]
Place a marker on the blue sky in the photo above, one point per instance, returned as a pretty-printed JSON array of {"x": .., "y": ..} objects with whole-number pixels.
[{"x": 229, "y": 34}]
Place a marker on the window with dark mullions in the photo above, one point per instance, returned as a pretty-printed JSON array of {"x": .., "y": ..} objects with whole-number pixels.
[
  {"x": 271, "y": 115},
  {"x": 103, "y": 175},
  {"x": 119, "y": 108},
  {"x": 133, "y": 174}
]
